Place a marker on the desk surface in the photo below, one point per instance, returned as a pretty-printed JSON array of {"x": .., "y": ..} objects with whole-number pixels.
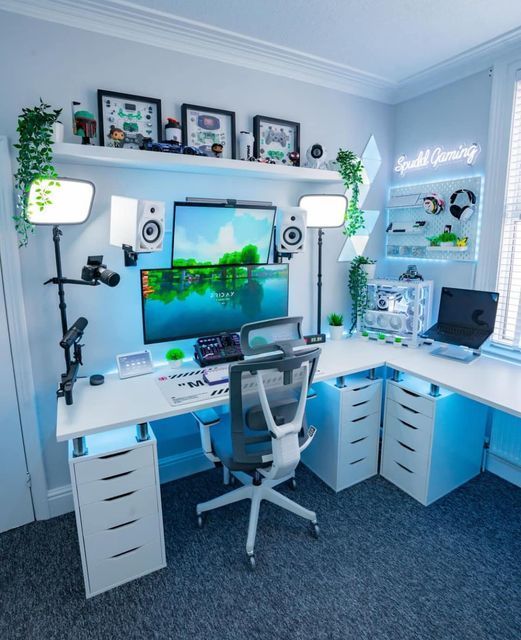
[{"x": 122, "y": 402}]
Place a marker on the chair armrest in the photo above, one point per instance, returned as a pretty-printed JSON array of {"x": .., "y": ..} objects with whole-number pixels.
[{"x": 206, "y": 417}]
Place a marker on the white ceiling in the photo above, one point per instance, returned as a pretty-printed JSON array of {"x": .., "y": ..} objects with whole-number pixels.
[{"x": 393, "y": 39}]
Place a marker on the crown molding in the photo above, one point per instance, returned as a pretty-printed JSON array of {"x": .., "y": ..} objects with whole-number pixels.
[
  {"x": 126, "y": 20},
  {"x": 472, "y": 61}
]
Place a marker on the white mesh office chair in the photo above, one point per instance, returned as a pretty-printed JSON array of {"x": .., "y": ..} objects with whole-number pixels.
[{"x": 260, "y": 441}]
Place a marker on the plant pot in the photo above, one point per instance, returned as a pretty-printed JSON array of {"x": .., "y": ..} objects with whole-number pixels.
[
  {"x": 366, "y": 338},
  {"x": 446, "y": 244},
  {"x": 175, "y": 364},
  {"x": 370, "y": 270},
  {"x": 336, "y": 333},
  {"x": 57, "y": 132}
]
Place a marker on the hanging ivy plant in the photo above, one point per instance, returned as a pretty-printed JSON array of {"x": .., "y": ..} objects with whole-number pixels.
[
  {"x": 34, "y": 161},
  {"x": 351, "y": 168},
  {"x": 358, "y": 289}
]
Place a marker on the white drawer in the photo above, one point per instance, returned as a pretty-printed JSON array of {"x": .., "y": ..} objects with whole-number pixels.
[
  {"x": 361, "y": 449},
  {"x": 362, "y": 393},
  {"x": 410, "y": 416},
  {"x": 97, "y": 516},
  {"x": 111, "y": 542},
  {"x": 405, "y": 432},
  {"x": 352, "y": 472},
  {"x": 116, "y": 485},
  {"x": 412, "y": 483},
  {"x": 410, "y": 399},
  {"x": 113, "y": 463},
  {"x": 129, "y": 565},
  {"x": 361, "y": 428},
  {"x": 405, "y": 455},
  {"x": 361, "y": 409}
]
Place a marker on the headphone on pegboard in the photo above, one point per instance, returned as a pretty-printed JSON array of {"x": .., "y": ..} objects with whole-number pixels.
[
  {"x": 465, "y": 211},
  {"x": 433, "y": 203}
]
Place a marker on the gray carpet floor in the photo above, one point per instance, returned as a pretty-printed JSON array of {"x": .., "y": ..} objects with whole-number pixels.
[{"x": 384, "y": 567}]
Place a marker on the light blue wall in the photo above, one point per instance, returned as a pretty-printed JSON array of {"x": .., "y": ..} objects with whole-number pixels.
[
  {"x": 449, "y": 116},
  {"x": 61, "y": 64}
]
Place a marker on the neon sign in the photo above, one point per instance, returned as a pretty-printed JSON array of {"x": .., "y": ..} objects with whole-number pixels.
[{"x": 438, "y": 156}]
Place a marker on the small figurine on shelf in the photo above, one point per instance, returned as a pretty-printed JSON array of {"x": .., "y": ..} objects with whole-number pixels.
[
  {"x": 173, "y": 130},
  {"x": 294, "y": 158},
  {"x": 217, "y": 149},
  {"x": 412, "y": 273},
  {"x": 116, "y": 137},
  {"x": 83, "y": 123}
]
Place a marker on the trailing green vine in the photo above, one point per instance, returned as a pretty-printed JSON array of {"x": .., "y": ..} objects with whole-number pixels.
[
  {"x": 358, "y": 289},
  {"x": 351, "y": 170},
  {"x": 34, "y": 161}
]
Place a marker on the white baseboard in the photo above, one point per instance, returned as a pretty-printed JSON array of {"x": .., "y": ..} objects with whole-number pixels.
[
  {"x": 170, "y": 468},
  {"x": 504, "y": 469}
]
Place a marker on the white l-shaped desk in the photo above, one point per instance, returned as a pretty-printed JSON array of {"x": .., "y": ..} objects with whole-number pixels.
[{"x": 118, "y": 403}]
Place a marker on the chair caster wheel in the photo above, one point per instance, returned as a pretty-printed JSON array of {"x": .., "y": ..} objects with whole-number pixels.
[
  {"x": 200, "y": 521},
  {"x": 293, "y": 484},
  {"x": 315, "y": 530},
  {"x": 252, "y": 562}
]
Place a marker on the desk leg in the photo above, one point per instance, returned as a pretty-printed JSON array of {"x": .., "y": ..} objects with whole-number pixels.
[
  {"x": 142, "y": 432},
  {"x": 435, "y": 391},
  {"x": 79, "y": 447},
  {"x": 372, "y": 374},
  {"x": 397, "y": 375}
]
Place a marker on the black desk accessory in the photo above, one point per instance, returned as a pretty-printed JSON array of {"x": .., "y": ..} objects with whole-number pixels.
[{"x": 212, "y": 350}]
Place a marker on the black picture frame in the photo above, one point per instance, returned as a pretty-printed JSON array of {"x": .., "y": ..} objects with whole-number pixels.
[
  {"x": 258, "y": 121},
  {"x": 104, "y": 94},
  {"x": 187, "y": 137}
]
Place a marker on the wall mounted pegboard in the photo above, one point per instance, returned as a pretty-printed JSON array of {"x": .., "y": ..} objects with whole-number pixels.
[{"x": 409, "y": 224}]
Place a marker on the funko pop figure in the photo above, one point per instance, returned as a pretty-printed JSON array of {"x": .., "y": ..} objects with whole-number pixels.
[
  {"x": 217, "y": 149},
  {"x": 116, "y": 137}
]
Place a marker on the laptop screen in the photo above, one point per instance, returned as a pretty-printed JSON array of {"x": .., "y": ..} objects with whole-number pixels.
[{"x": 469, "y": 309}]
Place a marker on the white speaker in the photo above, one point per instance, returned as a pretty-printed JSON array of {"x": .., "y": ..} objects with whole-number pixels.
[
  {"x": 291, "y": 230},
  {"x": 137, "y": 223}
]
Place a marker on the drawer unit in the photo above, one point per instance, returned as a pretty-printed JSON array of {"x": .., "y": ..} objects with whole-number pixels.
[
  {"x": 118, "y": 509},
  {"x": 345, "y": 448},
  {"x": 430, "y": 445}
]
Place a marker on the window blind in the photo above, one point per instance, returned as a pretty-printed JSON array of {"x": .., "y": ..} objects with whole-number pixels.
[{"x": 507, "y": 331}]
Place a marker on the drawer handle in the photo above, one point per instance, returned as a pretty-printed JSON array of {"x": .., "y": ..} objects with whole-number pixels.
[
  {"x": 114, "y": 455},
  {"x": 118, "y": 475},
  {"x": 411, "y": 393},
  {"x": 359, "y": 404},
  {"x": 123, "y": 495},
  {"x": 124, "y": 553},
  {"x": 359, "y": 440},
  {"x": 357, "y": 461},
  {"x": 403, "y": 467},
  {"x": 366, "y": 386},
  {"x": 406, "y": 446},
  {"x": 411, "y": 426},
  {"x": 118, "y": 526},
  {"x": 358, "y": 419},
  {"x": 409, "y": 409}
]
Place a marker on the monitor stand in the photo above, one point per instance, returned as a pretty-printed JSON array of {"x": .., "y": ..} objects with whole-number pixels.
[{"x": 454, "y": 352}]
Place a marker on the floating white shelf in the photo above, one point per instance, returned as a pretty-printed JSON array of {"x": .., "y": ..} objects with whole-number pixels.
[
  {"x": 155, "y": 161},
  {"x": 456, "y": 249}
]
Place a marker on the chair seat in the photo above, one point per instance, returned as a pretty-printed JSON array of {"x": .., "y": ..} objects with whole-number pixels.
[{"x": 221, "y": 437}]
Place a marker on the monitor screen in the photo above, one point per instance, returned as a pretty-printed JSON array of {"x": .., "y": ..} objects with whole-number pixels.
[
  {"x": 208, "y": 234},
  {"x": 189, "y": 302},
  {"x": 468, "y": 309}
]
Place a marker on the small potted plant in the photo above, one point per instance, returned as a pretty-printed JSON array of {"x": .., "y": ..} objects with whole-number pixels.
[
  {"x": 398, "y": 341},
  {"x": 175, "y": 357},
  {"x": 365, "y": 335},
  {"x": 369, "y": 266},
  {"x": 336, "y": 325},
  {"x": 381, "y": 338},
  {"x": 446, "y": 239}
]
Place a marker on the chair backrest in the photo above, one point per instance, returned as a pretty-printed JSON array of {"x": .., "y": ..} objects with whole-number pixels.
[{"x": 268, "y": 396}]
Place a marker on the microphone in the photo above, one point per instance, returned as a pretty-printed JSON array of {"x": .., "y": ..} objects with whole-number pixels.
[{"x": 74, "y": 333}]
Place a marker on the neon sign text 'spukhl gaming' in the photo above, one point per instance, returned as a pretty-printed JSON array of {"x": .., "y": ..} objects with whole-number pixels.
[{"x": 438, "y": 156}]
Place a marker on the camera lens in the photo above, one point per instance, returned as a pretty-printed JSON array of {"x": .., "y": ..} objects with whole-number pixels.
[{"x": 108, "y": 277}]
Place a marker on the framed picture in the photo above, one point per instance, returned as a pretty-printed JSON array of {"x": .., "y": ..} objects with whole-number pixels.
[
  {"x": 204, "y": 128},
  {"x": 275, "y": 139},
  {"x": 126, "y": 120}
]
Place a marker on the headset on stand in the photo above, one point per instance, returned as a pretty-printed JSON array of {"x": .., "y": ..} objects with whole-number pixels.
[
  {"x": 462, "y": 212},
  {"x": 433, "y": 203}
]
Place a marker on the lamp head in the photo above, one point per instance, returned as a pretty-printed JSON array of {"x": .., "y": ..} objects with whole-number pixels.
[
  {"x": 325, "y": 210},
  {"x": 65, "y": 201}
]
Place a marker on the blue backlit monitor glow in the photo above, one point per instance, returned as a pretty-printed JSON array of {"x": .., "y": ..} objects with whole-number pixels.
[
  {"x": 189, "y": 302},
  {"x": 211, "y": 234}
]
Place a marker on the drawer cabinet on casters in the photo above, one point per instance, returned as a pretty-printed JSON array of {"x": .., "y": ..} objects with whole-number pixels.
[
  {"x": 431, "y": 445},
  {"x": 345, "y": 448},
  {"x": 118, "y": 509}
]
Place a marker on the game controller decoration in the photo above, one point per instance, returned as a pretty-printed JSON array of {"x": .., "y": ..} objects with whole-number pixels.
[{"x": 276, "y": 139}]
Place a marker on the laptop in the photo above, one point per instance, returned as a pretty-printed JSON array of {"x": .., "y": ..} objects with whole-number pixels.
[{"x": 466, "y": 318}]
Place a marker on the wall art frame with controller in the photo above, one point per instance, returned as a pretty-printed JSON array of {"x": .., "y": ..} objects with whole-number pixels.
[
  {"x": 275, "y": 139},
  {"x": 127, "y": 120},
  {"x": 207, "y": 129}
]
